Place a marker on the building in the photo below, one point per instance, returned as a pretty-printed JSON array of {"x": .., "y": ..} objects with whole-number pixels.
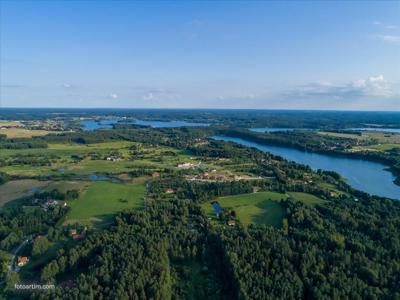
[
  {"x": 62, "y": 203},
  {"x": 232, "y": 222},
  {"x": 169, "y": 191},
  {"x": 185, "y": 165},
  {"x": 113, "y": 158},
  {"x": 78, "y": 237},
  {"x": 22, "y": 261},
  {"x": 155, "y": 174}
]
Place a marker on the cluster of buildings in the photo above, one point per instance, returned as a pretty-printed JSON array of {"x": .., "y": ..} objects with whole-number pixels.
[
  {"x": 188, "y": 165},
  {"x": 208, "y": 177},
  {"x": 52, "y": 203},
  {"x": 113, "y": 158}
]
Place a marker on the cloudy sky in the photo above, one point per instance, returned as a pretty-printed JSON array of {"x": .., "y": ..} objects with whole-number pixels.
[{"x": 225, "y": 54}]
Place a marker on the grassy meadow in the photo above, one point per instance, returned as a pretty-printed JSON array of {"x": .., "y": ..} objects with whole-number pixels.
[
  {"x": 101, "y": 200},
  {"x": 259, "y": 208}
]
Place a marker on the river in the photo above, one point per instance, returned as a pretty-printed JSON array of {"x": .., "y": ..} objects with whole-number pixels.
[{"x": 367, "y": 176}]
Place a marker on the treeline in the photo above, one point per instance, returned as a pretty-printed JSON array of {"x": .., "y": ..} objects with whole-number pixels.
[
  {"x": 341, "y": 250},
  {"x": 138, "y": 258},
  {"x": 21, "y": 143},
  {"x": 197, "y": 191}
]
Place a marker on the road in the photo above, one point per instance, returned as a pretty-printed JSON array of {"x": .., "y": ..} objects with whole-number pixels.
[{"x": 10, "y": 266}]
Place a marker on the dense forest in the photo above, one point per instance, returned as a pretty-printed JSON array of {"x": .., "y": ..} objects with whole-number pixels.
[{"x": 340, "y": 250}]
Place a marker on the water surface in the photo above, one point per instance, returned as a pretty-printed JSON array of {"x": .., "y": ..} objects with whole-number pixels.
[
  {"x": 277, "y": 129},
  {"x": 367, "y": 176},
  {"x": 89, "y": 125},
  {"x": 391, "y": 130}
]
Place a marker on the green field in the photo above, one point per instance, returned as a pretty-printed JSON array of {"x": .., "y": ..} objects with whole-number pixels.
[
  {"x": 382, "y": 147},
  {"x": 102, "y": 200},
  {"x": 15, "y": 189},
  {"x": 257, "y": 208},
  {"x": 61, "y": 158},
  {"x": 305, "y": 198}
]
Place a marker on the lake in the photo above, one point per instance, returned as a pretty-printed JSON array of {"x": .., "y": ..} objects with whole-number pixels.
[
  {"x": 391, "y": 130},
  {"x": 277, "y": 129},
  {"x": 89, "y": 125},
  {"x": 367, "y": 176}
]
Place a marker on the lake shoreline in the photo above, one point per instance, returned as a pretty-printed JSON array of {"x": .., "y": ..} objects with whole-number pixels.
[{"x": 390, "y": 190}]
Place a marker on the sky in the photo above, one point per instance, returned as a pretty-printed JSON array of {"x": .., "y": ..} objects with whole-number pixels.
[{"x": 200, "y": 54}]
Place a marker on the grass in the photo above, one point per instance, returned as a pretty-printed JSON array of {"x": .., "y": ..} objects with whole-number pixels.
[
  {"x": 10, "y": 123},
  {"x": 382, "y": 147},
  {"x": 61, "y": 158},
  {"x": 378, "y": 137},
  {"x": 102, "y": 200},
  {"x": 19, "y": 188},
  {"x": 306, "y": 198},
  {"x": 22, "y": 133},
  {"x": 257, "y": 208}
]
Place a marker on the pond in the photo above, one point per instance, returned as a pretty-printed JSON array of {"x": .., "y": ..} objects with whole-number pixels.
[{"x": 367, "y": 176}]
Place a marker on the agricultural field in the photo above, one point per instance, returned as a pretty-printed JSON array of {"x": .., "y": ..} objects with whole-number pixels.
[
  {"x": 22, "y": 133},
  {"x": 7, "y": 123},
  {"x": 377, "y": 137},
  {"x": 101, "y": 200},
  {"x": 19, "y": 188},
  {"x": 76, "y": 159}
]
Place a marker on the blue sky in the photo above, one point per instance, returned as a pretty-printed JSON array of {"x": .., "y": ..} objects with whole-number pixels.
[{"x": 225, "y": 54}]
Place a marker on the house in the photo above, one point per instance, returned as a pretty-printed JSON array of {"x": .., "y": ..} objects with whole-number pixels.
[
  {"x": 113, "y": 158},
  {"x": 22, "y": 261},
  {"x": 169, "y": 191},
  {"x": 232, "y": 222},
  {"x": 62, "y": 203},
  {"x": 78, "y": 237},
  {"x": 185, "y": 165},
  {"x": 50, "y": 203},
  {"x": 155, "y": 174}
]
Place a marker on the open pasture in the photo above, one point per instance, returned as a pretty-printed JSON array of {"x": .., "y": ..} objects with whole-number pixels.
[{"x": 101, "y": 200}]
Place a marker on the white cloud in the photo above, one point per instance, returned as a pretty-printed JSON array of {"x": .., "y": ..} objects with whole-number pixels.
[
  {"x": 393, "y": 39},
  {"x": 160, "y": 94},
  {"x": 376, "y": 23},
  {"x": 372, "y": 87},
  {"x": 113, "y": 96},
  {"x": 66, "y": 85}
]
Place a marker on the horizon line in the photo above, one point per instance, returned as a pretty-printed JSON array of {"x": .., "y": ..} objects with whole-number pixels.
[{"x": 203, "y": 108}]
